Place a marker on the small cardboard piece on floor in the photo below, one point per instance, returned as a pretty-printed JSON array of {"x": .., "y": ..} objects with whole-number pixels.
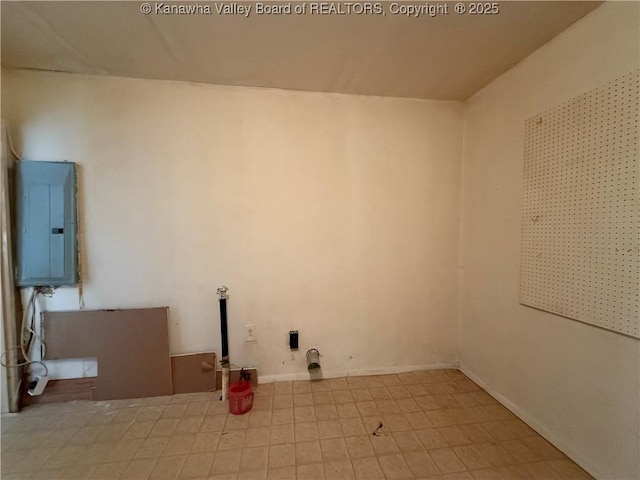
[{"x": 193, "y": 372}]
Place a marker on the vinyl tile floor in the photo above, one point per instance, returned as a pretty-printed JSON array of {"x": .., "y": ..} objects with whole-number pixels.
[{"x": 434, "y": 424}]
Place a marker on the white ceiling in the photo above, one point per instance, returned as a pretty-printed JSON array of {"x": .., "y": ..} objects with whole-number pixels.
[{"x": 448, "y": 57}]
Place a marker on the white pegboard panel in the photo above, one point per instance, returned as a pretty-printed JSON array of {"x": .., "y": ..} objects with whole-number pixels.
[{"x": 580, "y": 254}]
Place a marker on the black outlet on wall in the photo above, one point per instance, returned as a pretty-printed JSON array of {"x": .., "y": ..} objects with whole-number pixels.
[{"x": 293, "y": 340}]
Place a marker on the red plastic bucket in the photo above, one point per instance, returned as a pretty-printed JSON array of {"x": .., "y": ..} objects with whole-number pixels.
[{"x": 240, "y": 397}]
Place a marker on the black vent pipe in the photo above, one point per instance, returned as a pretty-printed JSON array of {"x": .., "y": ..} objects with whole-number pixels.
[{"x": 222, "y": 292}]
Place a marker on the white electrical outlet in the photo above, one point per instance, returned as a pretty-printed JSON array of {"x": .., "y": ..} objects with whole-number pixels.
[{"x": 250, "y": 333}]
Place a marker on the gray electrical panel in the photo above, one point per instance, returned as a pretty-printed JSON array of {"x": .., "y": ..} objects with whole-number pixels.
[{"x": 46, "y": 233}]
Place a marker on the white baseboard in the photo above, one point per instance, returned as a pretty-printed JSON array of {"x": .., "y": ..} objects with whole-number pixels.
[
  {"x": 549, "y": 435},
  {"x": 287, "y": 377}
]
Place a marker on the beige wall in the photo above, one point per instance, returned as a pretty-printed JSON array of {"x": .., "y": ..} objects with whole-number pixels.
[
  {"x": 338, "y": 215},
  {"x": 335, "y": 215},
  {"x": 577, "y": 383}
]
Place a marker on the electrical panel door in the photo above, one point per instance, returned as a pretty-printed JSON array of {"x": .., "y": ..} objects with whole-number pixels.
[{"x": 46, "y": 234}]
